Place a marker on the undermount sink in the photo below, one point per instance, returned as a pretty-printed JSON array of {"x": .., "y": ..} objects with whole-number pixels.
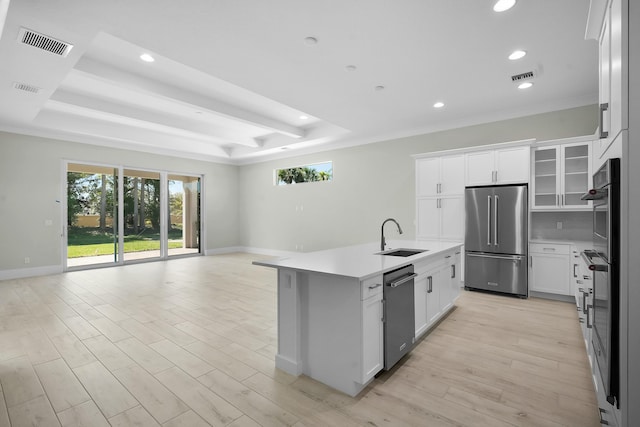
[{"x": 402, "y": 252}]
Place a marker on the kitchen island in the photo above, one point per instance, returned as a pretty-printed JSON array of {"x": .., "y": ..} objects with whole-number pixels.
[{"x": 330, "y": 307}]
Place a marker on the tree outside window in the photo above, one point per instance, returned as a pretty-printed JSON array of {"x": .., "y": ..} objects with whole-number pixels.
[{"x": 306, "y": 173}]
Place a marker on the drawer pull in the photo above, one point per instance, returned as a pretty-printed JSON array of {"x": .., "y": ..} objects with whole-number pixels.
[{"x": 375, "y": 286}]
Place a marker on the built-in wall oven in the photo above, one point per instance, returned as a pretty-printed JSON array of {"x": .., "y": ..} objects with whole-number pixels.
[{"x": 604, "y": 260}]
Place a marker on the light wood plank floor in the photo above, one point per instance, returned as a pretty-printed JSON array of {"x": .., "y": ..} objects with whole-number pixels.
[{"x": 191, "y": 342}]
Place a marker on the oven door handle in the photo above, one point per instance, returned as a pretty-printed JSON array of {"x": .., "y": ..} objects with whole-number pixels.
[
  {"x": 402, "y": 280},
  {"x": 589, "y": 255}
]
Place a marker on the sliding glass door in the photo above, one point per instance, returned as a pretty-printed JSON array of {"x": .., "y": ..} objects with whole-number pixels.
[
  {"x": 184, "y": 215},
  {"x": 118, "y": 215},
  {"x": 141, "y": 214},
  {"x": 92, "y": 212}
]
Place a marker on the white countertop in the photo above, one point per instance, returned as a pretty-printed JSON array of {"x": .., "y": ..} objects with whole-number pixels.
[{"x": 360, "y": 261}]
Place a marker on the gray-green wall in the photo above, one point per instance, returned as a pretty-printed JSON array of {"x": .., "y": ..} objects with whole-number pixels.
[
  {"x": 31, "y": 188},
  {"x": 371, "y": 182},
  {"x": 243, "y": 208}
]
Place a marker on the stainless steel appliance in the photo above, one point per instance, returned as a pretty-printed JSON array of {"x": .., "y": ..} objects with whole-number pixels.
[
  {"x": 496, "y": 239},
  {"x": 604, "y": 261},
  {"x": 399, "y": 317}
]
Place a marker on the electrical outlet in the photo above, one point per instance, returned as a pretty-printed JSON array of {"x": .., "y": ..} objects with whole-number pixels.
[
  {"x": 27, "y": 260},
  {"x": 559, "y": 225}
]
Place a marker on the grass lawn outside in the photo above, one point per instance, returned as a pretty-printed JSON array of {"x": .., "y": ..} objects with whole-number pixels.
[
  {"x": 93, "y": 242},
  {"x": 108, "y": 248}
]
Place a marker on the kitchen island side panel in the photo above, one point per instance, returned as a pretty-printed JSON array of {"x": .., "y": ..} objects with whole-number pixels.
[
  {"x": 288, "y": 357},
  {"x": 331, "y": 331}
]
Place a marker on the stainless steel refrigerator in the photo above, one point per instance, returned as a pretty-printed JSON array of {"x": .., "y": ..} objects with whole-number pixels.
[{"x": 496, "y": 239}]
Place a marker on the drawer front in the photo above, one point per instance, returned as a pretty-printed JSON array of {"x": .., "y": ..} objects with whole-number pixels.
[
  {"x": 550, "y": 248},
  {"x": 370, "y": 287}
]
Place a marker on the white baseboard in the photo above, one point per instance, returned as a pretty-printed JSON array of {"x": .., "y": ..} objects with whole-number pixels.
[
  {"x": 227, "y": 250},
  {"x": 250, "y": 250},
  {"x": 20, "y": 273},
  {"x": 271, "y": 252}
]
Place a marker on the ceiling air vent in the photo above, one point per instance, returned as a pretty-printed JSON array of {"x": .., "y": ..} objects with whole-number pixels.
[
  {"x": 25, "y": 87},
  {"x": 523, "y": 76},
  {"x": 44, "y": 42}
]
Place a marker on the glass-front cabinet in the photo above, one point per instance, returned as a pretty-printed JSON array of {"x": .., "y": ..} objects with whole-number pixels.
[{"x": 561, "y": 175}]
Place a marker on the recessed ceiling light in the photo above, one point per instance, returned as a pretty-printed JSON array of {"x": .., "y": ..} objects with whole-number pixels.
[
  {"x": 517, "y": 54},
  {"x": 303, "y": 117},
  {"x": 502, "y": 5},
  {"x": 379, "y": 88},
  {"x": 350, "y": 68},
  {"x": 146, "y": 57},
  {"x": 310, "y": 40},
  {"x": 525, "y": 85},
  {"x": 438, "y": 104}
]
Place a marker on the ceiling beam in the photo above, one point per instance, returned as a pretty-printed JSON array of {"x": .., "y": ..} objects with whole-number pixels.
[
  {"x": 130, "y": 138},
  {"x": 156, "y": 119},
  {"x": 143, "y": 84}
]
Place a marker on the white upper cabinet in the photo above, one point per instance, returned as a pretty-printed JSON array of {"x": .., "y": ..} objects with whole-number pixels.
[
  {"x": 561, "y": 174},
  {"x": 440, "y": 218},
  {"x": 440, "y": 176},
  {"x": 440, "y": 197},
  {"x": 501, "y": 166},
  {"x": 613, "y": 92}
]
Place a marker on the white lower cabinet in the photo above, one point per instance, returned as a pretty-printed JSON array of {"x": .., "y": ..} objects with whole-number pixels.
[
  {"x": 582, "y": 283},
  {"x": 372, "y": 336},
  {"x": 436, "y": 288},
  {"x": 550, "y": 268},
  {"x": 436, "y": 292}
]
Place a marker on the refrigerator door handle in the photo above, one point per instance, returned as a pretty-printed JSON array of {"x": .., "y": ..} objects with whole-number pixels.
[
  {"x": 495, "y": 221},
  {"x": 488, "y": 220}
]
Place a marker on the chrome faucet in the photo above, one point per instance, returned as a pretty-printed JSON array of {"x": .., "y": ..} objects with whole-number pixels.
[{"x": 382, "y": 241}]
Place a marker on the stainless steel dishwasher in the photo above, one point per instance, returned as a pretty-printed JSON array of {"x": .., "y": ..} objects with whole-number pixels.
[{"x": 399, "y": 314}]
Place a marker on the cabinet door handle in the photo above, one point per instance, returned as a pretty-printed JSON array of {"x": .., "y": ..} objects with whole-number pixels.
[
  {"x": 496, "y": 178},
  {"x": 430, "y": 287},
  {"x": 589, "y": 325},
  {"x": 575, "y": 275},
  {"x": 585, "y": 309},
  {"x": 602, "y": 420},
  {"x": 382, "y": 319},
  {"x": 531, "y": 261},
  {"x": 453, "y": 271},
  {"x": 603, "y": 107},
  {"x": 563, "y": 202},
  {"x": 375, "y": 286}
]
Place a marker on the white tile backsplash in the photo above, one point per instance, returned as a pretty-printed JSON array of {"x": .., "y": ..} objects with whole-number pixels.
[{"x": 576, "y": 226}]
